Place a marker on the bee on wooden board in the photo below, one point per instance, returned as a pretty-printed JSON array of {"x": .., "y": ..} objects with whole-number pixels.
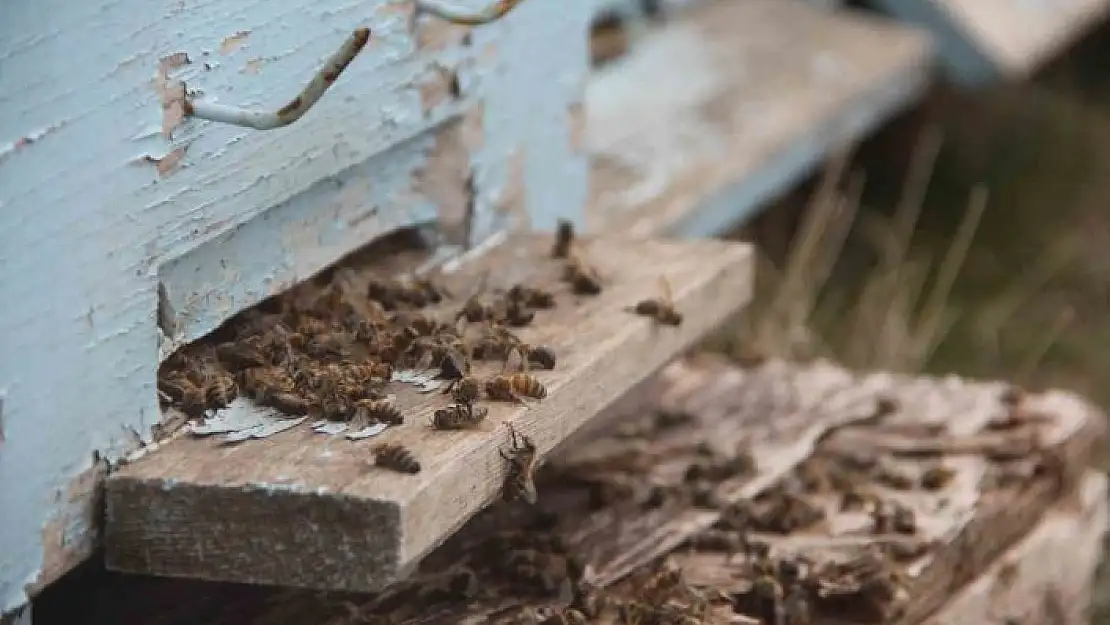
[
  {"x": 522, "y": 459},
  {"x": 582, "y": 277},
  {"x": 515, "y": 387},
  {"x": 564, "y": 239},
  {"x": 518, "y": 315},
  {"x": 661, "y": 309},
  {"x": 531, "y": 297},
  {"x": 396, "y": 458},
  {"x": 465, "y": 390},
  {"x": 542, "y": 356},
  {"x": 459, "y": 417},
  {"x": 369, "y": 411},
  {"x": 181, "y": 392}
]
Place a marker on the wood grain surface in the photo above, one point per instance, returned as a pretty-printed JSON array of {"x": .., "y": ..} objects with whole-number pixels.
[{"x": 301, "y": 509}]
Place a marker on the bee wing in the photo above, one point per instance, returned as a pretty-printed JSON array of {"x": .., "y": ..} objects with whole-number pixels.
[{"x": 667, "y": 292}]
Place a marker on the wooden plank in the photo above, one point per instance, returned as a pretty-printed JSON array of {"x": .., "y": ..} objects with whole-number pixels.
[
  {"x": 728, "y": 104},
  {"x": 258, "y": 511},
  {"x": 986, "y": 40},
  {"x": 1047, "y": 578}
]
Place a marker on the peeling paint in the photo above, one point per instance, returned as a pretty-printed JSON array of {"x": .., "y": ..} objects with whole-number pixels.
[
  {"x": 12, "y": 147},
  {"x": 168, "y": 163},
  {"x": 234, "y": 42},
  {"x": 512, "y": 201},
  {"x": 440, "y": 87},
  {"x": 577, "y": 126},
  {"x": 70, "y": 536},
  {"x": 437, "y": 35},
  {"x": 443, "y": 179}
]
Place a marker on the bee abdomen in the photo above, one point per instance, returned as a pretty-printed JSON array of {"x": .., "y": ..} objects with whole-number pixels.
[
  {"x": 542, "y": 356},
  {"x": 397, "y": 458},
  {"x": 528, "y": 386}
]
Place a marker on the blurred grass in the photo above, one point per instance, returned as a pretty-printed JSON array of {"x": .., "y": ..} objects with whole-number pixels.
[{"x": 971, "y": 237}]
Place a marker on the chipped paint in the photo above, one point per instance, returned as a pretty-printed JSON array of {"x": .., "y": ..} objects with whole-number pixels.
[
  {"x": 234, "y": 42},
  {"x": 443, "y": 180},
  {"x": 441, "y": 86},
  {"x": 512, "y": 201},
  {"x": 168, "y": 163}
]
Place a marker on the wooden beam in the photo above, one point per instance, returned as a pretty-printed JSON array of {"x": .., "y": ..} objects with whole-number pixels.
[
  {"x": 303, "y": 509},
  {"x": 728, "y": 104},
  {"x": 988, "y": 40}
]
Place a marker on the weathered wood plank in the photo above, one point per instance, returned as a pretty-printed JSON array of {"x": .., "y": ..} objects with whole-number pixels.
[
  {"x": 1047, "y": 578},
  {"x": 984, "y": 40},
  {"x": 728, "y": 103},
  {"x": 259, "y": 511}
]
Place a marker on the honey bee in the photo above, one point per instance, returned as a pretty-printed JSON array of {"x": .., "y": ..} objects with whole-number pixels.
[
  {"x": 542, "y": 356},
  {"x": 661, "y": 309},
  {"x": 522, "y": 459},
  {"x": 458, "y": 417},
  {"x": 936, "y": 477},
  {"x": 564, "y": 239},
  {"x": 220, "y": 392},
  {"x": 465, "y": 390},
  {"x": 288, "y": 403},
  {"x": 893, "y": 518},
  {"x": 396, "y": 458},
  {"x": 421, "y": 292},
  {"x": 515, "y": 387},
  {"x": 531, "y": 297},
  {"x": 369, "y": 411},
  {"x": 476, "y": 310},
  {"x": 371, "y": 371},
  {"x": 183, "y": 393},
  {"x": 583, "y": 278},
  {"x": 518, "y": 315},
  {"x": 243, "y": 354}
]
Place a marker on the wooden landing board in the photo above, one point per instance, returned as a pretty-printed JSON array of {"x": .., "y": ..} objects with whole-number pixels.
[
  {"x": 302, "y": 509},
  {"x": 1047, "y": 578},
  {"x": 729, "y": 103},
  {"x": 984, "y": 40}
]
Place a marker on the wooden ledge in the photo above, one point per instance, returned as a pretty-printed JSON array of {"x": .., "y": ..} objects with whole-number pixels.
[
  {"x": 729, "y": 103},
  {"x": 988, "y": 40},
  {"x": 308, "y": 510}
]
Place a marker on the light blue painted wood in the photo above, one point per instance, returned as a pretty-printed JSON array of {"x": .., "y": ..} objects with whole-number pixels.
[
  {"x": 985, "y": 41},
  {"x": 961, "y": 56},
  {"x": 91, "y": 227},
  {"x": 746, "y": 198}
]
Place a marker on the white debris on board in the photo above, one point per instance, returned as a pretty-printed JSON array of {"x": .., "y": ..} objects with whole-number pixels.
[
  {"x": 263, "y": 430},
  {"x": 367, "y": 432},
  {"x": 332, "y": 428},
  {"x": 242, "y": 421},
  {"x": 329, "y": 427}
]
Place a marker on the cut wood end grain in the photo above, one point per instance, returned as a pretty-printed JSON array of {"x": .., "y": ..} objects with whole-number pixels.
[{"x": 259, "y": 511}]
